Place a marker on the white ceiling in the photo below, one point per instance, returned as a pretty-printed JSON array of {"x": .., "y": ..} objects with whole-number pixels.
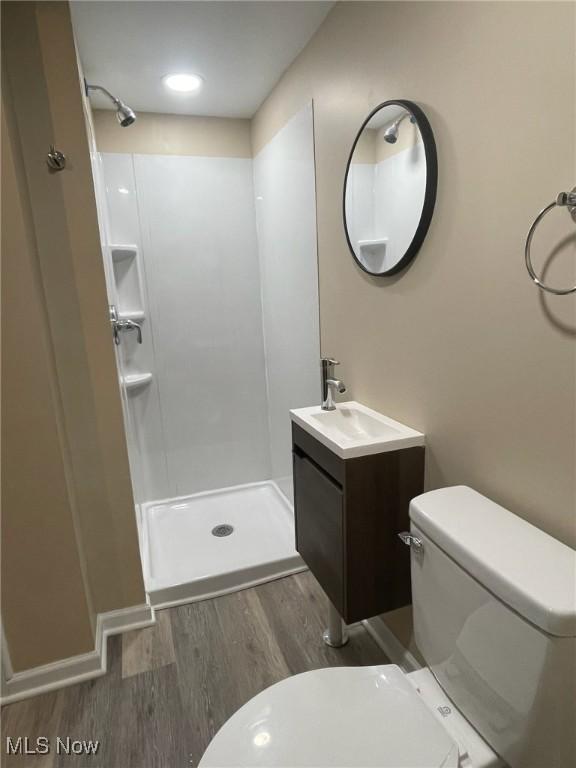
[
  {"x": 240, "y": 49},
  {"x": 385, "y": 116}
]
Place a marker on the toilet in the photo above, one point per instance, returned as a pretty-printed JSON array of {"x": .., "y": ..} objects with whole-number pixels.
[{"x": 494, "y": 602}]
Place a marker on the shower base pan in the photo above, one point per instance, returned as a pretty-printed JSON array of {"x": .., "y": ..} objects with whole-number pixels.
[{"x": 208, "y": 544}]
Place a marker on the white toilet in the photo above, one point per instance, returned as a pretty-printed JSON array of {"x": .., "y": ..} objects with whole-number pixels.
[{"x": 495, "y": 619}]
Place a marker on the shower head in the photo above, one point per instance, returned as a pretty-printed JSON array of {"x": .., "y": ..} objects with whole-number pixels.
[
  {"x": 126, "y": 116},
  {"x": 391, "y": 133}
]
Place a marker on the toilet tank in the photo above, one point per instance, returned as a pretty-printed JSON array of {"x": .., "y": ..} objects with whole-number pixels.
[{"x": 495, "y": 619}]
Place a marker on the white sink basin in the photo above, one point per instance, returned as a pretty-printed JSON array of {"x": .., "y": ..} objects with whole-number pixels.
[{"x": 355, "y": 430}]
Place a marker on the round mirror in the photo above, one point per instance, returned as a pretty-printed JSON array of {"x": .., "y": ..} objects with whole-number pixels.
[{"x": 390, "y": 187}]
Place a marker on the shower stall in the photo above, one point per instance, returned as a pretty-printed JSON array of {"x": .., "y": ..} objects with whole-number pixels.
[{"x": 211, "y": 270}]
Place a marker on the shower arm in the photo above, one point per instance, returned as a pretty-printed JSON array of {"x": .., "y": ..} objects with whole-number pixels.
[
  {"x": 88, "y": 87},
  {"x": 404, "y": 116}
]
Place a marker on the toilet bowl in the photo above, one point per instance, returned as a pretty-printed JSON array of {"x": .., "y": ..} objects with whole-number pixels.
[{"x": 499, "y": 638}]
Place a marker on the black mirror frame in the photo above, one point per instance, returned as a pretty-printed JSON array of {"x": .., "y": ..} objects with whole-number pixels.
[{"x": 429, "y": 193}]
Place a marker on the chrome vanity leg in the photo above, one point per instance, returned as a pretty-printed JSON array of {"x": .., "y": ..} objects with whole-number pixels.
[{"x": 336, "y": 635}]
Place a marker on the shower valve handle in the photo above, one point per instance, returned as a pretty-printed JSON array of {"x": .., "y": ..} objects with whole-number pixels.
[{"x": 125, "y": 325}]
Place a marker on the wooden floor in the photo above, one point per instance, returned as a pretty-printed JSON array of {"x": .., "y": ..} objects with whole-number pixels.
[{"x": 169, "y": 688}]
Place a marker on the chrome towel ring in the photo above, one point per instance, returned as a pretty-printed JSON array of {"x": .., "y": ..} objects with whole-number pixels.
[{"x": 564, "y": 199}]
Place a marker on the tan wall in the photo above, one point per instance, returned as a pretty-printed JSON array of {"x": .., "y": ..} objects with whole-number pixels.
[
  {"x": 40, "y": 67},
  {"x": 40, "y": 558},
  {"x": 161, "y": 134},
  {"x": 461, "y": 345},
  {"x": 365, "y": 149}
]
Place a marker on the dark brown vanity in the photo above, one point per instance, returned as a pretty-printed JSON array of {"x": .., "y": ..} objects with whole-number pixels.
[{"x": 349, "y": 512}]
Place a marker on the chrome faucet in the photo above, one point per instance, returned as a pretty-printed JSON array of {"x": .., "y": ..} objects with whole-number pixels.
[{"x": 330, "y": 384}]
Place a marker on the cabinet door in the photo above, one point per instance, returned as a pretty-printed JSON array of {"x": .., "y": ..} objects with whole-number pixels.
[{"x": 318, "y": 506}]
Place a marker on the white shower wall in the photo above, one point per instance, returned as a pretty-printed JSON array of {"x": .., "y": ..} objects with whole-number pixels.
[
  {"x": 231, "y": 329},
  {"x": 399, "y": 187},
  {"x": 360, "y": 203},
  {"x": 387, "y": 197},
  {"x": 148, "y": 460},
  {"x": 284, "y": 184},
  {"x": 201, "y": 257}
]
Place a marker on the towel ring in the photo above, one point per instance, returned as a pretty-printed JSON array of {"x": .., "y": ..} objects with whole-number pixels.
[{"x": 564, "y": 199}]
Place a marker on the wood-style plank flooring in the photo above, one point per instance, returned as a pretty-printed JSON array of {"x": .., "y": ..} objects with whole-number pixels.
[{"x": 169, "y": 688}]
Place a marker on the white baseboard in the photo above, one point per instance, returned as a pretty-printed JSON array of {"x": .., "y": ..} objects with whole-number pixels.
[
  {"x": 76, "y": 669},
  {"x": 389, "y": 643}
]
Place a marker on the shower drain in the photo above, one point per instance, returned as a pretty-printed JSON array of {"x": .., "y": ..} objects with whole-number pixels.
[{"x": 222, "y": 530}]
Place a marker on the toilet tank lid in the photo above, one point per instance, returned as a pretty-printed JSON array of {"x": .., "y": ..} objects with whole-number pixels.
[{"x": 524, "y": 567}]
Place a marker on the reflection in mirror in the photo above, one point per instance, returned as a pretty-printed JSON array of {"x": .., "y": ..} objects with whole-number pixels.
[{"x": 390, "y": 188}]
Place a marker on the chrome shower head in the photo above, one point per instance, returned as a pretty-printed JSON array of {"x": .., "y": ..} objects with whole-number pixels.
[
  {"x": 391, "y": 133},
  {"x": 126, "y": 116}
]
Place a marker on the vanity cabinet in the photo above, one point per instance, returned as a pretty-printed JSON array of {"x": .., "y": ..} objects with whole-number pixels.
[{"x": 348, "y": 513}]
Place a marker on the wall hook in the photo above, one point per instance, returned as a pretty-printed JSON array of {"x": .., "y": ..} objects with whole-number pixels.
[{"x": 56, "y": 160}]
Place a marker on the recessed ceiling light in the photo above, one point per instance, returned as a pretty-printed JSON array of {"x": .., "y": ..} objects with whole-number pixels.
[{"x": 183, "y": 83}]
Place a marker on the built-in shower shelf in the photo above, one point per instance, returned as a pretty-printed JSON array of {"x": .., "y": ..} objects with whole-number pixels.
[
  {"x": 135, "y": 381},
  {"x": 123, "y": 252},
  {"x": 371, "y": 244},
  {"x": 136, "y": 315}
]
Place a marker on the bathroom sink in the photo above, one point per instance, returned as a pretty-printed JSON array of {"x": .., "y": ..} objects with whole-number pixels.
[{"x": 354, "y": 430}]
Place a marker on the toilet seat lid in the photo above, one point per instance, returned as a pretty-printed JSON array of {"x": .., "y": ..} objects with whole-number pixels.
[{"x": 344, "y": 716}]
